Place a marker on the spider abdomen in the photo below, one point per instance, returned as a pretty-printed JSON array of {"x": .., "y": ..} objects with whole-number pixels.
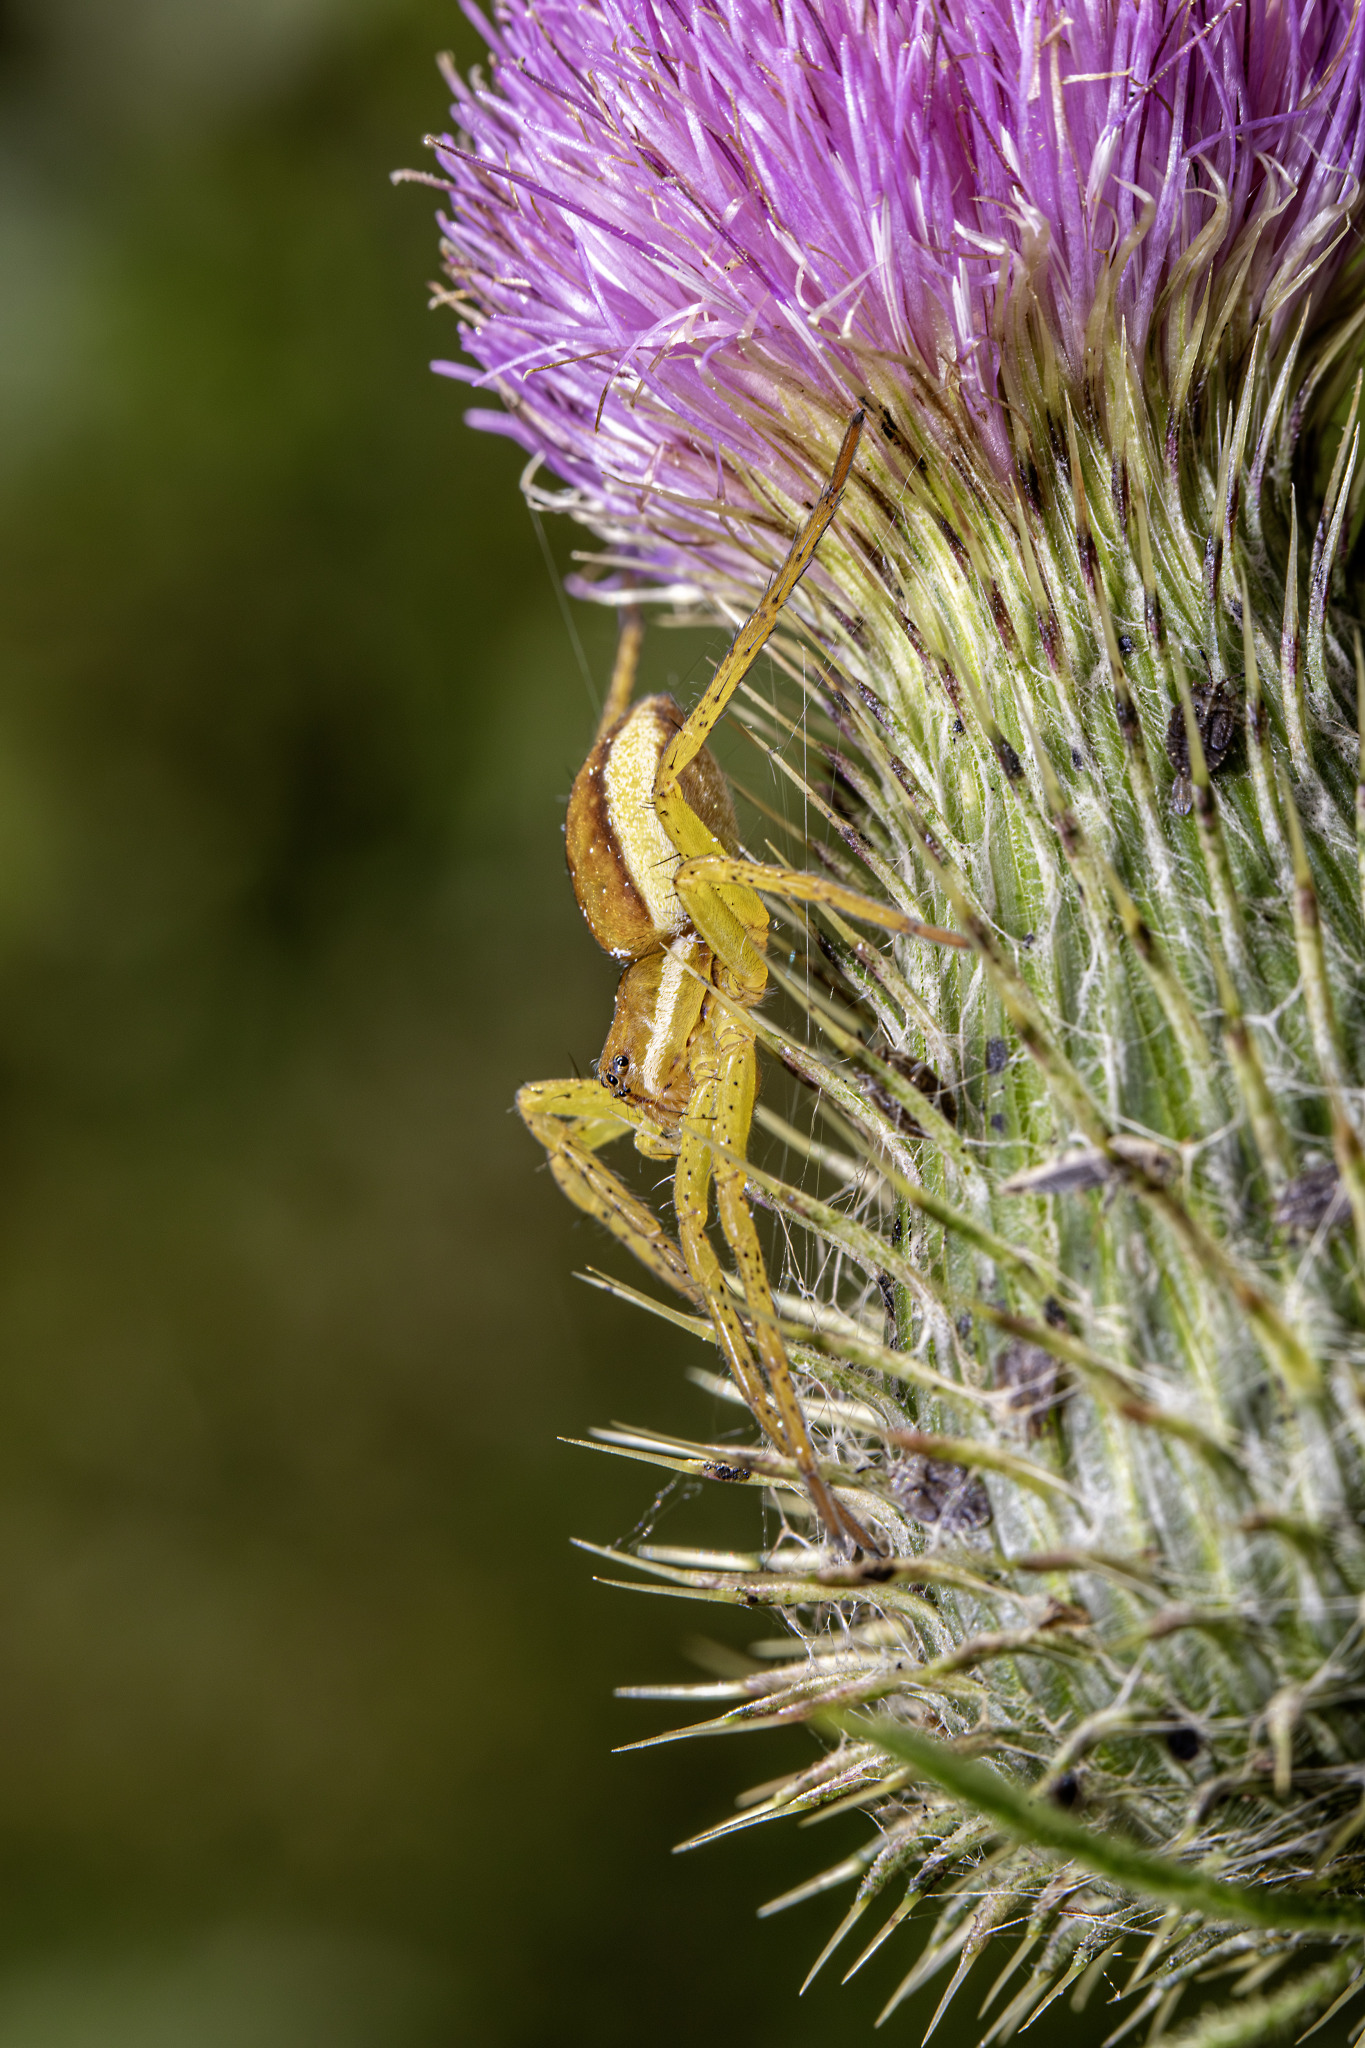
[{"x": 621, "y": 860}]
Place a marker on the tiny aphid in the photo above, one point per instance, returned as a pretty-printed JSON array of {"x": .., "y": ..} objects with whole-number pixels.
[
  {"x": 1314, "y": 1200},
  {"x": 921, "y": 1077},
  {"x": 1215, "y": 715},
  {"x": 941, "y": 1495},
  {"x": 1028, "y": 1377},
  {"x": 656, "y": 865}
]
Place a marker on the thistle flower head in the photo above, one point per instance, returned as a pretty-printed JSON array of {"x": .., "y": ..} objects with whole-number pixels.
[
  {"x": 1074, "y": 1240},
  {"x": 683, "y": 235}
]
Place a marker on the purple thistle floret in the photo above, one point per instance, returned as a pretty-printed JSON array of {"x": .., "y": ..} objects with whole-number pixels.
[{"x": 672, "y": 225}]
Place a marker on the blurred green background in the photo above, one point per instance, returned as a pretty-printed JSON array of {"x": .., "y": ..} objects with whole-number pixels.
[{"x": 305, "y": 1701}]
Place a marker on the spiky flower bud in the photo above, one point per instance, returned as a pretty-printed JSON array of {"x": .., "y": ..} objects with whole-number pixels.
[{"x": 1076, "y": 1296}]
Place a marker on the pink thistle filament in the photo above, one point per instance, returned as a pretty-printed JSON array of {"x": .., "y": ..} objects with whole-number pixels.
[{"x": 671, "y": 223}]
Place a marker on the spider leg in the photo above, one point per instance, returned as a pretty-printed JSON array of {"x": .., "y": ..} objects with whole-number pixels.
[
  {"x": 749, "y": 641},
  {"x": 572, "y": 1119},
  {"x": 795, "y": 887},
  {"x": 715, "y": 1136},
  {"x": 727, "y": 914},
  {"x": 691, "y": 1201}
]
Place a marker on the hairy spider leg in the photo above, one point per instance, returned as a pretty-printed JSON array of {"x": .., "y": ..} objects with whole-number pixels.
[
  {"x": 794, "y": 887},
  {"x": 571, "y": 1119},
  {"x": 730, "y": 916},
  {"x": 715, "y": 1139}
]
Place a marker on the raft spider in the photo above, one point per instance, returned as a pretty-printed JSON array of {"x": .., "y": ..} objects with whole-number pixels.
[{"x": 654, "y": 855}]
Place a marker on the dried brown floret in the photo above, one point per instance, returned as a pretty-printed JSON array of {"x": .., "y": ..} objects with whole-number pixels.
[
  {"x": 1073, "y": 1173},
  {"x": 1085, "y": 1168}
]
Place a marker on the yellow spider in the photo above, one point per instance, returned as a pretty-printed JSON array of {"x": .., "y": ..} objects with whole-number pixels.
[{"x": 654, "y": 856}]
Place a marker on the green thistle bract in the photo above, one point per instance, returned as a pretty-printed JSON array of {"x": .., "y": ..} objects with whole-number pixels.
[{"x": 1080, "y": 1327}]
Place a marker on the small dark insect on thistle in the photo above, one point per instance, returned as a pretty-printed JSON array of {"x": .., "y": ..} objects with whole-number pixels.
[
  {"x": 1215, "y": 715},
  {"x": 654, "y": 855}
]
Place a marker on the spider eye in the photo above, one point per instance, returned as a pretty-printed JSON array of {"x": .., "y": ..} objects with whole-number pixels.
[{"x": 621, "y": 1063}]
